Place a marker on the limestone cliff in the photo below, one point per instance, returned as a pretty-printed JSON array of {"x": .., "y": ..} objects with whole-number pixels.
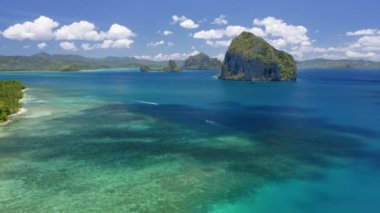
[{"x": 251, "y": 58}]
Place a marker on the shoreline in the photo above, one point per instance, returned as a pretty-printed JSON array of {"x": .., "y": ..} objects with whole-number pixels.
[{"x": 21, "y": 111}]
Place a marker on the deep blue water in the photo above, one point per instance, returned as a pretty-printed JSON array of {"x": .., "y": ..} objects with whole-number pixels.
[{"x": 187, "y": 142}]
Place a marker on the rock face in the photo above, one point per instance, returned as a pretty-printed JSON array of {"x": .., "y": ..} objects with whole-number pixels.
[
  {"x": 251, "y": 58},
  {"x": 201, "y": 61}
]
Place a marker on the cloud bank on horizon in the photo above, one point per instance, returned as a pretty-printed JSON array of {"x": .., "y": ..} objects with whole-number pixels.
[{"x": 86, "y": 36}]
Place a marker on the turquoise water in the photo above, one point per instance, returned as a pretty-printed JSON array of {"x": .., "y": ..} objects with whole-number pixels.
[{"x": 124, "y": 141}]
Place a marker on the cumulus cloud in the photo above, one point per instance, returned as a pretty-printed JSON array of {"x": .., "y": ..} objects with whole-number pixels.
[
  {"x": 109, "y": 43},
  {"x": 229, "y": 31},
  {"x": 156, "y": 43},
  {"x": 184, "y": 22},
  {"x": 209, "y": 34},
  {"x": 42, "y": 45},
  {"x": 165, "y": 57},
  {"x": 69, "y": 46},
  {"x": 122, "y": 43},
  {"x": 364, "y": 32},
  {"x": 220, "y": 20},
  {"x": 118, "y": 31},
  {"x": 167, "y": 32},
  {"x": 218, "y": 43},
  {"x": 38, "y": 30},
  {"x": 291, "y": 34},
  {"x": 87, "y": 46},
  {"x": 280, "y": 34},
  {"x": 117, "y": 36},
  {"x": 82, "y": 30},
  {"x": 354, "y": 54},
  {"x": 368, "y": 43},
  {"x": 85, "y": 30},
  {"x": 42, "y": 29}
]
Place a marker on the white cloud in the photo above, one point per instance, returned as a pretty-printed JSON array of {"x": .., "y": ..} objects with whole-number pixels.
[
  {"x": 184, "y": 22},
  {"x": 170, "y": 43},
  {"x": 117, "y": 36},
  {"x": 218, "y": 43},
  {"x": 118, "y": 31},
  {"x": 221, "y": 20},
  {"x": 87, "y": 46},
  {"x": 229, "y": 31},
  {"x": 220, "y": 56},
  {"x": 42, "y": 29},
  {"x": 165, "y": 57},
  {"x": 156, "y": 43},
  {"x": 291, "y": 34},
  {"x": 167, "y": 32},
  {"x": 364, "y": 32},
  {"x": 69, "y": 46},
  {"x": 26, "y": 46},
  {"x": 368, "y": 43},
  {"x": 209, "y": 34},
  {"x": 38, "y": 30},
  {"x": 285, "y": 36},
  {"x": 82, "y": 30},
  {"x": 278, "y": 43},
  {"x": 280, "y": 34},
  {"x": 234, "y": 30},
  {"x": 122, "y": 43},
  {"x": 109, "y": 43},
  {"x": 42, "y": 45},
  {"x": 354, "y": 54}
]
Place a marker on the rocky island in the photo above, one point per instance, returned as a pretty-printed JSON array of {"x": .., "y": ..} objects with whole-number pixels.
[
  {"x": 251, "y": 58},
  {"x": 201, "y": 61},
  {"x": 170, "y": 67},
  {"x": 10, "y": 94}
]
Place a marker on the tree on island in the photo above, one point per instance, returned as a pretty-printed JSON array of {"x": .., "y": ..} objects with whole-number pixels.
[{"x": 172, "y": 67}]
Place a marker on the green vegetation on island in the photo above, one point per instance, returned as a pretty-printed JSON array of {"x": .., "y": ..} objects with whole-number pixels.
[
  {"x": 10, "y": 95},
  {"x": 170, "y": 67},
  {"x": 44, "y": 61},
  {"x": 251, "y": 58},
  {"x": 201, "y": 61},
  {"x": 337, "y": 64}
]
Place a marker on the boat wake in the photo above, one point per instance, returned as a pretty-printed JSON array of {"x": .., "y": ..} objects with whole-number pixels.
[
  {"x": 213, "y": 123},
  {"x": 146, "y": 102}
]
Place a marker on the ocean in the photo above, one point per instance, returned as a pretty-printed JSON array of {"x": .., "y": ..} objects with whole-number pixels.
[{"x": 125, "y": 141}]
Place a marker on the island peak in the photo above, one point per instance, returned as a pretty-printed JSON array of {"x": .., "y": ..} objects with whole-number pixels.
[{"x": 251, "y": 58}]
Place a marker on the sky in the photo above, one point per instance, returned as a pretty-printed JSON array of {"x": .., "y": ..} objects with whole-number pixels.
[{"x": 169, "y": 29}]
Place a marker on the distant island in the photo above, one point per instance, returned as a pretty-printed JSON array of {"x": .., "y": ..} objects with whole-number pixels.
[
  {"x": 44, "y": 61},
  {"x": 10, "y": 94},
  {"x": 170, "y": 67},
  {"x": 251, "y": 58},
  {"x": 201, "y": 61},
  {"x": 337, "y": 64}
]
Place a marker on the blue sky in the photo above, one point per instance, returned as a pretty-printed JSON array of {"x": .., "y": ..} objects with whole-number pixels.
[{"x": 176, "y": 29}]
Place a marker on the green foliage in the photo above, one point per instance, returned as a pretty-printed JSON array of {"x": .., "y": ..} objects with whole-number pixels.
[
  {"x": 10, "y": 94},
  {"x": 43, "y": 61},
  {"x": 201, "y": 61},
  {"x": 145, "y": 68},
  {"x": 252, "y": 47},
  {"x": 171, "y": 67}
]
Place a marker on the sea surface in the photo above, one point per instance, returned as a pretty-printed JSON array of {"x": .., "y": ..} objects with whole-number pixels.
[{"x": 124, "y": 141}]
